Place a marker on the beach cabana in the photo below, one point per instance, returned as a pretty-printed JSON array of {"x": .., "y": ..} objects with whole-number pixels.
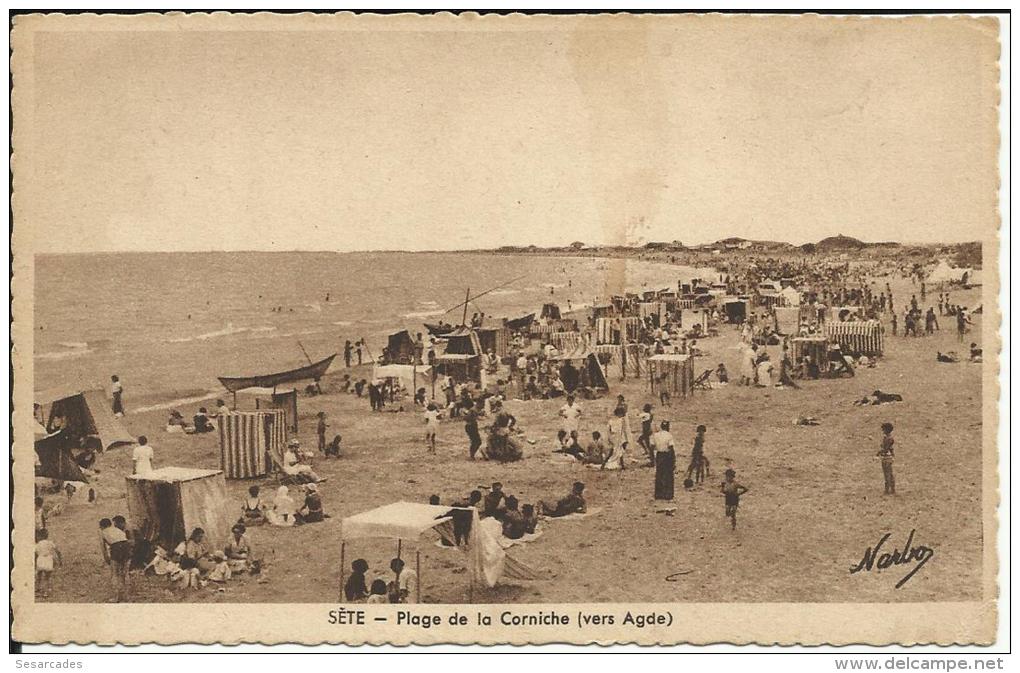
[
  {"x": 248, "y": 439},
  {"x": 463, "y": 341},
  {"x": 586, "y": 361},
  {"x": 690, "y": 317},
  {"x": 735, "y": 310},
  {"x": 791, "y": 297},
  {"x": 625, "y": 357},
  {"x": 814, "y": 347},
  {"x": 861, "y": 337},
  {"x": 400, "y": 348},
  {"x": 404, "y": 522},
  {"x": 495, "y": 339},
  {"x": 83, "y": 414},
  {"x": 461, "y": 367},
  {"x": 165, "y": 505},
  {"x": 273, "y": 398},
  {"x": 671, "y": 373},
  {"x": 788, "y": 320}
]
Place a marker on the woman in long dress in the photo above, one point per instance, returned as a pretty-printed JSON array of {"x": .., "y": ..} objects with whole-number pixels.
[
  {"x": 665, "y": 462},
  {"x": 619, "y": 440}
]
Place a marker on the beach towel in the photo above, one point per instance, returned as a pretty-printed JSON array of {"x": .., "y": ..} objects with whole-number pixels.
[
  {"x": 592, "y": 511},
  {"x": 506, "y": 542}
]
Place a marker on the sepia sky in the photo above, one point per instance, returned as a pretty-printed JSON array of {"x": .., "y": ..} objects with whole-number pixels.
[{"x": 488, "y": 133}]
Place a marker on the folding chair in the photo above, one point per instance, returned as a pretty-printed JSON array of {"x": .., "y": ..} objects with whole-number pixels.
[{"x": 702, "y": 381}]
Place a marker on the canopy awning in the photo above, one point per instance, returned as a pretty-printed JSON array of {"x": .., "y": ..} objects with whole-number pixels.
[
  {"x": 265, "y": 392},
  {"x": 396, "y": 521},
  {"x": 172, "y": 475}
]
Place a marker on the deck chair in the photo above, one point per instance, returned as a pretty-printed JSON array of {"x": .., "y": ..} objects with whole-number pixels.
[{"x": 702, "y": 381}]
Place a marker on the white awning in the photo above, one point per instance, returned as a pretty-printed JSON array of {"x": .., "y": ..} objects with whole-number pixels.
[{"x": 399, "y": 520}]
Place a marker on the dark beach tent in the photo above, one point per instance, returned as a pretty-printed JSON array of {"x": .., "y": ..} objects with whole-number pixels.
[
  {"x": 736, "y": 310},
  {"x": 55, "y": 459},
  {"x": 494, "y": 339},
  {"x": 550, "y": 312},
  {"x": 586, "y": 362},
  {"x": 400, "y": 348},
  {"x": 463, "y": 341},
  {"x": 83, "y": 415}
]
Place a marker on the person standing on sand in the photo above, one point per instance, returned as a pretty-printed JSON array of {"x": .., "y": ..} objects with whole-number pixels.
[
  {"x": 699, "y": 465},
  {"x": 471, "y": 428},
  {"x": 665, "y": 462},
  {"x": 571, "y": 415},
  {"x": 887, "y": 455},
  {"x": 320, "y": 431},
  {"x": 431, "y": 423},
  {"x": 357, "y": 348},
  {"x": 348, "y": 349},
  {"x": 118, "y": 396},
  {"x": 142, "y": 456},
  {"x": 645, "y": 440},
  {"x": 732, "y": 490}
]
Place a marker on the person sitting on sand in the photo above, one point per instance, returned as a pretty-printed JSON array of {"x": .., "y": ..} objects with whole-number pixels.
[
  {"x": 946, "y": 357},
  {"x": 333, "y": 448},
  {"x": 491, "y": 504},
  {"x": 573, "y": 503},
  {"x": 378, "y": 593},
  {"x": 239, "y": 551},
  {"x": 596, "y": 452},
  {"x": 530, "y": 519},
  {"x": 570, "y": 445},
  {"x": 222, "y": 409},
  {"x": 201, "y": 421},
  {"x": 293, "y": 467},
  {"x": 311, "y": 511},
  {"x": 975, "y": 353},
  {"x": 513, "y": 520},
  {"x": 176, "y": 422},
  {"x": 253, "y": 511},
  {"x": 721, "y": 374},
  {"x": 356, "y": 589},
  {"x": 282, "y": 513}
]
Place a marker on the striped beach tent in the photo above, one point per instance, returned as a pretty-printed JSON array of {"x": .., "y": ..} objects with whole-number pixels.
[
  {"x": 858, "y": 337},
  {"x": 246, "y": 437}
]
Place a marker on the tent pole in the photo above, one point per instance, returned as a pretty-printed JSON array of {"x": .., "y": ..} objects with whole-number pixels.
[
  {"x": 343, "y": 549},
  {"x": 417, "y": 571},
  {"x": 398, "y": 547}
]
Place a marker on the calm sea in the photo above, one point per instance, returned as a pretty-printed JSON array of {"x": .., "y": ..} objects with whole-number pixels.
[{"x": 169, "y": 323}]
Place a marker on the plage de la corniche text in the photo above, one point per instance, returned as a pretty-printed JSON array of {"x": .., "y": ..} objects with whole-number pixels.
[{"x": 513, "y": 618}]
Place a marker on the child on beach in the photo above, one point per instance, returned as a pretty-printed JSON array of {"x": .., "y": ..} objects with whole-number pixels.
[
  {"x": 320, "y": 431},
  {"x": 46, "y": 557},
  {"x": 732, "y": 490},
  {"x": 645, "y": 440},
  {"x": 116, "y": 549},
  {"x": 333, "y": 448},
  {"x": 699, "y": 466},
  {"x": 253, "y": 511},
  {"x": 431, "y": 423},
  {"x": 378, "y": 595}
]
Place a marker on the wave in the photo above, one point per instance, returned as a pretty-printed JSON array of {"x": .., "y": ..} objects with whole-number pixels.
[
  {"x": 432, "y": 303},
  {"x": 63, "y": 355},
  {"x": 226, "y": 331},
  {"x": 423, "y": 314},
  {"x": 209, "y": 395},
  {"x": 73, "y": 344},
  {"x": 314, "y": 308},
  {"x": 504, "y": 293},
  {"x": 343, "y": 323}
]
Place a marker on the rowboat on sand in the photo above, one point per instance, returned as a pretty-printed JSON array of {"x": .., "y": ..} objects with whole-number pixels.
[{"x": 313, "y": 371}]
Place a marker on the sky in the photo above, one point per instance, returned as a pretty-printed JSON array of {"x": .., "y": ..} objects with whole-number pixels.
[{"x": 455, "y": 135}]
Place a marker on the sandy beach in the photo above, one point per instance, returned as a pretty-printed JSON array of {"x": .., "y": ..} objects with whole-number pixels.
[{"x": 815, "y": 501}]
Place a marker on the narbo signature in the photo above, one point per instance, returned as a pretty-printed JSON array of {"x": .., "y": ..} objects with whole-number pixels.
[{"x": 918, "y": 555}]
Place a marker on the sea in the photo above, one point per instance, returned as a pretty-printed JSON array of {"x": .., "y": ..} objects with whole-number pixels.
[{"x": 169, "y": 323}]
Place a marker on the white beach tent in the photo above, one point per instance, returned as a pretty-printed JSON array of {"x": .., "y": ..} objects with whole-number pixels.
[
  {"x": 944, "y": 273},
  {"x": 408, "y": 521},
  {"x": 791, "y": 295}
]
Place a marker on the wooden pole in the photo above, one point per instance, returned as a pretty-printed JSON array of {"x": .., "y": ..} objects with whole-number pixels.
[
  {"x": 399, "y": 542},
  {"x": 467, "y": 298},
  {"x": 343, "y": 549},
  {"x": 417, "y": 571}
]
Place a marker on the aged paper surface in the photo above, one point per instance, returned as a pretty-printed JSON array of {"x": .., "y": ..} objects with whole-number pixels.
[{"x": 200, "y": 201}]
